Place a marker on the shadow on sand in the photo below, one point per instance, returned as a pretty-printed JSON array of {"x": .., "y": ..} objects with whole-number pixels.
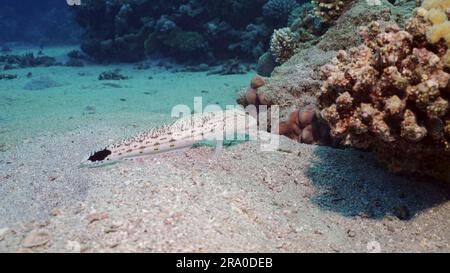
[{"x": 353, "y": 183}]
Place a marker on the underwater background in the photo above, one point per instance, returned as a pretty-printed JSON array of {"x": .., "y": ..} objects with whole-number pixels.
[{"x": 362, "y": 90}]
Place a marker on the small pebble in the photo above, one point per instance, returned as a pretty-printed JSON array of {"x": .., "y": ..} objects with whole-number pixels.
[
  {"x": 73, "y": 246},
  {"x": 402, "y": 213},
  {"x": 36, "y": 238},
  {"x": 55, "y": 212},
  {"x": 351, "y": 233},
  {"x": 94, "y": 217},
  {"x": 3, "y": 232}
]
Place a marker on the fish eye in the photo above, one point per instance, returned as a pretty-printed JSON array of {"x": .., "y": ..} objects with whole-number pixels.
[{"x": 99, "y": 156}]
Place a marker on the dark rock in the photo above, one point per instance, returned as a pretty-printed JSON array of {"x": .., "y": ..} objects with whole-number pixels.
[
  {"x": 402, "y": 213},
  {"x": 7, "y": 77},
  {"x": 142, "y": 66},
  {"x": 10, "y": 66},
  {"x": 75, "y": 62},
  {"x": 26, "y": 60},
  {"x": 190, "y": 31},
  {"x": 230, "y": 67},
  {"x": 266, "y": 65},
  {"x": 76, "y": 54},
  {"x": 196, "y": 68},
  {"x": 112, "y": 75}
]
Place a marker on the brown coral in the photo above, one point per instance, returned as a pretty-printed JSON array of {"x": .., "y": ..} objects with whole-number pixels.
[
  {"x": 330, "y": 10},
  {"x": 301, "y": 125},
  {"x": 305, "y": 127},
  {"x": 391, "y": 94}
]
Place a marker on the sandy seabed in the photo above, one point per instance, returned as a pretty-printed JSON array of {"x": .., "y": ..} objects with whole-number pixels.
[{"x": 300, "y": 198}]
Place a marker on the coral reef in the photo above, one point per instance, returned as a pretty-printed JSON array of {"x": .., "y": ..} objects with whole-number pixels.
[
  {"x": 330, "y": 10},
  {"x": 7, "y": 76},
  {"x": 283, "y": 44},
  {"x": 343, "y": 34},
  {"x": 304, "y": 30},
  {"x": 438, "y": 28},
  {"x": 296, "y": 83},
  {"x": 391, "y": 93},
  {"x": 301, "y": 125},
  {"x": 252, "y": 40},
  {"x": 76, "y": 58},
  {"x": 26, "y": 60},
  {"x": 231, "y": 67},
  {"x": 74, "y": 63},
  {"x": 184, "y": 44},
  {"x": 278, "y": 11},
  {"x": 193, "y": 31},
  {"x": 76, "y": 54},
  {"x": 304, "y": 21}
]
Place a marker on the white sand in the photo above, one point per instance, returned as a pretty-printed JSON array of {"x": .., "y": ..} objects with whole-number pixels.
[
  {"x": 299, "y": 199},
  {"x": 27, "y": 113}
]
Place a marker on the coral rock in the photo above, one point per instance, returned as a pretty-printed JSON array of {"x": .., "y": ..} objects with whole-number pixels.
[
  {"x": 304, "y": 126},
  {"x": 257, "y": 82},
  {"x": 284, "y": 129},
  {"x": 283, "y": 44},
  {"x": 294, "y": 122},
  {"x": 251, "y": 96},
  {"x": 307, "y": 135},
  {"x": 391, "y": 94},
  {"x": 262, "y": 98},
  {"x": 306, "y": 116},
  {"x": 330, "y": 10}
]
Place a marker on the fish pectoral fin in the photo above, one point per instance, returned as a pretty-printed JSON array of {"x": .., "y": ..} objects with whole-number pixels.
[{"x": 218, "y": 151}]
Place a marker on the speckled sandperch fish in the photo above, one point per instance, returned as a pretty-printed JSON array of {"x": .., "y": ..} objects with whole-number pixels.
[{"x": 182, "y": 134}]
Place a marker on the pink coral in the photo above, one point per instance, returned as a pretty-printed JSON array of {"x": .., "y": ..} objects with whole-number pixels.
[{"x": 391, "y": 94}]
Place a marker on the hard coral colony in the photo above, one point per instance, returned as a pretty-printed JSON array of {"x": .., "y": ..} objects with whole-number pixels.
[
  {"x": 330, "y": 10},
  {"x": 391, "y": 94},
  {"x": 189, "y": 31}
]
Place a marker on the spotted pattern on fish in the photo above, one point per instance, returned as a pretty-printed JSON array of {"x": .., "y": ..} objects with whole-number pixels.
[{"x": 182, "y": 133}]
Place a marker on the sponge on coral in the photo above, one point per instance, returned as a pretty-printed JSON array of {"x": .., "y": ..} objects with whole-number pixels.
[
  {"x": 436, "y": 12},
  {"x": 439, "y": 31},
  {"x": 436, "y": 16},
  {"x": 440, "y": 4}
]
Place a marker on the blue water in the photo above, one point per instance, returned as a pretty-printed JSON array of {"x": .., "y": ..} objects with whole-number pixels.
[{"x": 39, "y": 22}]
